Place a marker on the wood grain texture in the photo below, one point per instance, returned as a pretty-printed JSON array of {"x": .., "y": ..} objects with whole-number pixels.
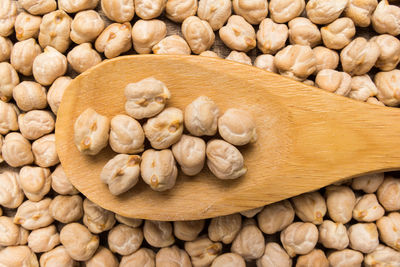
[{"x": 308, "y": 138}]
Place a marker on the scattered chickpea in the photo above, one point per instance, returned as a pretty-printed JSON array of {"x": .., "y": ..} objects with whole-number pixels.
[
  {"x": 60, "y": 182},
  {"x": 265, "y": 62},
  {"x": 35, "y": 182},
  {"x": 334, "y": 81},
  {"x": 179, "y": 10},
  {"x": 73, "y": 6},
  {"x": 325, "y": 11},
  {"x": 237, "y": 127},
  {"x": 346, "y": 257},
  {"x": 96, "y": 218},
  {"x": 158, "y": 234},
  {"x": 43, "y": 239},
  {"x": 303, "y": 32},
  {"x": 83, "y": 57},
  {"x": 388, "y": 229},
  {"x": 149, "y": 9},
  {"x": 201, "y": 116},
  {"x": 340, "y": 201},
  {"x": 125, "y": 240},
  {"x": 5, "y": 48},
  {"x": 56, "y": 91},
  {"x": 102, "y": 258},
  {"x": 16, "y": 150},
  {"x": 126, "y": 135},
  {"x": 249, "y": 242},
  {"x": 299, "y": 238},
  {"x": 36, "y": 123},
  {"x": 238, "y": 34},
  {"x": 240, "y": 57},
  {"x": 55, "y": 30},
  {"x": 27, "y": 26},
  {"x": 118, "y": 10},
  {"x": 386, "y": 18},
  {"x": 30, "y": 96},
  {"x": 18, "y": 256},
  {"x": 388, "y": 193},
  {"x": 368, "y": 209},
  {"x": 215, "y": 12},
  {"x": 57, "y": 257},
  {"x": 23, "y": 55},
  {"x": 12, "y": 234},
  {"x": 362, "y": 88},
  {"x": 382, "y": 256},
  {"x": 314, "y": 258},
  {"x": 172, "y": 45},
  {"x": 360, "y": 11},
  {"x": 48, "y": 66},
  {"x": 229, "y": 260},
  {"x": 203, "y": 251},
  {"x": 274, "y": 255},
  {"x": 333, "y": 235},
  {"x": 11, "y": 195},
  {"x": 387, "y": 84},
  {"x": 38, "y": 8},
  {"x": 363, "y": 237},
  {"x": 275, "y": 217},
  {"x": 310, "y": 207},
  {"x": 326, "y": 58},
  {"x": 8, "y": 14},
  {"x": 8, "y": 80},
  {"x": 225, "y": 228},
  {"x": 66, "y": 209},
  {"x": 188, "y": 230},
  {"x": 190, "y": 153},
  {"x": 8, "y": 118},
  {"x": 283, "y": 11},
  {"x": 132, "y": 222},
  {"x": 44, "y": 151},
  {"x": 338, "y": 34},
  {"x": 368, "y": 183},
  {"x": 86, "y": 26},
  {"x": 115, "y": 40},
  {"x": 34, "y": 215},
  {"x": 147, "y": 33},
  {"x": 389, "y": 52},
  {"x": 172, "y": 256},
  {"x": 143, "y": 257},
  {"x": 198, "y": 34},
  {"x": 251, "y": 212},
  {"x": 252, "y": 11}
]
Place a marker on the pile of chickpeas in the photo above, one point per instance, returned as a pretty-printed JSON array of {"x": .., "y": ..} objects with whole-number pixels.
[{"x": 45, "y": 43}]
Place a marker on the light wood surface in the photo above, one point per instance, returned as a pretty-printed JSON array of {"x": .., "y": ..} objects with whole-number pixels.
[{"x": 308, "y": 138}]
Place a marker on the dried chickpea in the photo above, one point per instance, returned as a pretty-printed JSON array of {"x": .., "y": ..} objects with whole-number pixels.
[
  {"x": 388, "y": 91},
  {"x": 11, "y": 195},
  {"x": 382, "y": 256},
  {"x": 346, "y": 258},
  {"x": 8, "y": 118},
  {"x": 73, "y": 6},
  {"x": 338, "y": 34},
  {"x": 249, "y": 242},
  {"x": 198, "y": 34},
  {"x": 125, "y": 240},
  {"x": 303, "y": 32},
  {"x": 252, "y": 11},
  {"x": 310, "y": 207},
  {"x": 368, "y": 209},
  {"x": 27, "y": 26},
  {"x": 340, "y": 201},
  {"x": 363, "y": 237},
  {"x": 102, "y": 258},
  {"x": 35, "y": 182},
  {"x": 172, "y": 45},
  {"x": 362, "y": 87},
  {"x": 8, "y": 80},
  {"x": 126, "y": 135},
  {"x": 172, "y": 256},
  {"x": 30, "y": 96},
  {"x": 325, "y": 11},
  {"x": 368, "y": 183},
  {"x": 201, "y": 117},
  {"x": 333, "y": 235},
  {"x": 299, "y": 238},
  {"x": 36, "y": 123},
  {"x": 265, "y": 62},
  {"x": 334, "y": 81},
  {"x": 44, "y": 151},
  {"x": 146, "y": 98},
  {"x": 389, "y": 52},
  {"x": 114, "y": 40},
  {"x": 190, "y": 153},
  {"x": 271, "y": 36},
  {"x": 78, "y": 241},
  {"x": 43, "y": 239},
  {"x": 34, "y": 215},
  {"x": 132, "y": 222},
  {"x": 8, "y": 14},
  {"x": 225, "y": 228},
  {"x": 188, "y": 230},
  {"x": 23, "y": 55},
  {"x": 229, "y": 260},
  {"x": 202, "y": 251},
  {"x": 38, "y": 7},
  {"x": 55, "y": 30},
  {"x": 57, "y": 257},
  {"x": 86, "y": 26},
  {"x": 314, "y": 258},
  {"x": 388, "y": 229},
  {"x": 360, "y": 11},
  {"x": 83, "y": 57},
  {"x": 179, "y": 10},
  {"x": 118, "y": 10},
  {"x": 275, "y": 217},
  {"x": 158, "y": 234},
  {"x": 5, "y": 48},
  {"x": 66, "y": 209},
  {"x": 388, "y": 193},
  {"x": 149, "y": 9},
  {"x": 96, "y": 218},
  {"x": 60, "y": 182},
  {"x": 144, "y": 257},
  {"x": 240, "y": 57},
  {"x": 215, "y": 12},
  {"x": 251, "y": 212},
  {"x": 11, "y": 234},
  {"x": 56, "y": 91},
  {"x": 238, "y": 34},
  {"x": 386, "y": 18},
  {"x": 49, "y": 65},
  {"x": 16, "y": 150},
  {"x": 283, "y": 11},
  {"x": 147, "y": 33},
  {"x": 326, "y": 58},
  {"x": 16, "y": 256},
  {"x": 274, "y": 255}
]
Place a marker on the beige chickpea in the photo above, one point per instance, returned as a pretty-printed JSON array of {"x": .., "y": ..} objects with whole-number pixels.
[
  {"x": 158, "y": 234},
  {"x": 118, "y": 10},
  {"x": 172, "y": 256},
  {"x": 60, "y": 182},
  {"x": 389, "y": 52},
  {"x": 274, "y": 255},
  {"x": 326, "y": 58},
  {"x": 386, "y": 18},
  {"x": 8, "y": 118},
  {"x": 55, "y": 30},
  {"x": 368, "y": 183},
  {"x": 188, "y": 230},
  {"x": 271, "y": 36},
  {"x": 102, "y": 258},
  {"x": 147, "y": 33},
  {"x": 202, "y": 251},
  {"x": 158, "y": 169},
  {"x": 368, "y": 209},
  {"x": 362, "y": 87},
  {"x": 201, "y": 116},
  {"x": 251, "y": 212},
  {"x": 11, "y": 195},
  {"x": 346, "y": 257},
  {"x": 43, "y": 239},
  {"x": 36, "y": 123},
  {"x": 296, "y": 62},
  {"x": 86, "y": 26},
  {"x": 388, "y": 229},
  {"x": 27, "y": 26},
  {"x": 78, "y": 241},
  {"x": 121, "y": 173},
  {"x": 38, "y": 7},
  {"x": 144, "y": 257},
  {"x": 16, "y": 256},
  {"x": 190, "y": 153},
  {"x": 8, "y": 14},
  {"x": 49, "y": 65},
  {"x": 73, "y": 6},
  {"x": 8, "y": 80},
  {"x": 310, "y": 207},
  {"x": 249, "y": 242},
  {"x": 229, "y": 260},
  {"x": 388, "y": 193},
  {"x": 215, "y": 12},
  {"x": 165, "y": 129},
  {"x": 303, "y": 32},
  {"x": 125, "y": 240},
  {"x": 132, "y": 222},
  {"x": 114, "y": 40},
  {"x": 11, "y": 234},
  {"x": 382, "y": 256},
  {"x": 172, "y": 45},
  {"x": 224, "y": 160},
  {"x": 283, "y": 11},
  {"x": 252, "y": 11},
  {"x": 5, "y": 48},
  {"x": 146, "y": 9},
  {"x": 240, "y": 57},
  {"x": 338, "y": 34},
  {"x": 275, "y": 217},
  {"x": 314, "y": 258},
  {"x": 23, "y": 55},
  {"x": 96, "y": 218},
  {"x": 179, "y": 10},
  {"x": 66, "y": 209},
  {"x": 333, "y": 235},
  {"x": 299, "y": 238},
  {"x": 198, "y": 34},
  {"x": 126, "y": 135},
  {"x": 57, "y": 257},
  {"x": 16, "y": 150},
  {"x": 56, "y": 91},
  {"x": 44, "y": 151},
  {"x": 83, "y": 57},
  {"x": 363, "y": 237},
  {"x": 265, "y": 62},
  {"x": 35, "y": 182},
  {"x": 30, "y": 96},
  {"x": 340, "y": 201},
  {"x": 225, "y": 228},
  {"x": 34, "y": 215},
  {"x": 360, "y": 11},
  {"x": 388, "y": 90},
  {"x": 238, "y": 34},
  {"x": 237, "y": 127},
  {"x": 334, "y": 81},
  {"x": 323, "y": 11}
]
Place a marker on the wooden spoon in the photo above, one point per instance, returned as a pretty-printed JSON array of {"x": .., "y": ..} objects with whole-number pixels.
[{"x": 308, "y": 138}]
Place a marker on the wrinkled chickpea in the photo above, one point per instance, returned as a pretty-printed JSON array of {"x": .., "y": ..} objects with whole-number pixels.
[
  {"x": 368, "y": 209},
  {"x": 44, "y": 151},
  {"x": 11, "y": 234},
  {"x": 114, "y": 40},
  {"x": 121, "y": 173},
  {"x": 66, "y": 209},
  {"x": 188, "y": 230},
  {"x": 38, "y": 7},
  {"x": 35, "y": 182},
  {"x": 346, "y": 257},
  {"x": 30, "y": 96},
  {"x": 27, "y": 26},
  {"x": 388, "y": 90},
  {"x": 158, "y": 234},
  {"x": 54, "y": 30},
  {"x": 275, "y": 217},
  {"x": 325, "y": 11},
  {"x": 36, "y": 123},
  {"x": 360, "y": 11},
  {"x": 83, "y": 57},
  {"x": 382, "y": 256},
  {"x": 201, "y": 117},
  {"x": 16, "y": 150},
  {"x": 125, "y": 240},
  {"x": 303, "y": 32},
  {"x": 172, "y": 256},
  {"x": 334, "y": 81},
  {"x": 126, "y": 135},
  {"x": 102, "y": 258},
  {"x": 202, "y": 251},
  {"x": 265, "y": 62},
  {"x": 172, "y": 45},
  {"x": 198, "y": 34},
  {"x": 386, "y": 18},
  {"x": 326, "y": 58},
  {"x": 11, "y": 195},
  {"x": 271, "y": 36},
  {"x": 56, "y": 91},
  {"x": 8, "y": 80},
  {"x": 144, "y": 257},
  {"x": 78, "y": 241},
  {"x": 215, "y": 12},
  {"x": 299, "y": 238},
  {"x": 229, "y": 260},
  {"x": 283, "y": 11},
  {"x": 388, "y": 193},
  {"x": 86, "y": 26},
  {"x": 5, "y": 48},
  {"x": 225, "y": 228},
  {"x": 249, "y": 242},
  {"x": 362, "y": 87},
  {"x": 179, "y": 10},
  {"x": 118, "y": 10},
  {"x": 310, "y": 207},
  {"x": 368, "y": 183},
  {"x": 34, "y": 215},
  {"x": 57, "y": 257},
  {"x": 251, "y": 212},
  {"x": 23, "y": 55},
  {"x": 314, "y": 258},
  {"x": 49, "y": 65},
  {"x": 149, "y": 9},
  {"x": 8, "y": 118},
  {"x": 190, "y": 153},
  {"x": 132, "y": 222},
  {"x": 333, "y": 235},
  {"x": 240, "y": 57},
  {"x": 43, "y": 239},
  {"x": 252, "y": 11},
  {"x": 340, "y": 201},
  {"x": 388, "y": 229},
  {"x": 338, "y": 34},
  {"x": 238, "y": 34},
  {"x": 97, "y": 219},
  {"x": 274, "y": 255},
  {"x": 363, "y": 237},
  {"x": 8, "y": 14},
  {"x": 389, "y": 52},
  {"x": 18, "y": 256},
  {"x": 73, "y": 6},
  {"x": 147, "y": 33},
  {"x": 60, "y": 182}
]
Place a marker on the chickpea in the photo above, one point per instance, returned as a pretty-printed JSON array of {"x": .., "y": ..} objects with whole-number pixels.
[
  {"x": 188, "y": 230},
  {"x": 229, "y": 260},
  {"x": 8, "y": 118},
  {"x": 8, "y": 80},
  {"x": 382, "y": 256},
  {"x": 360, "y": 11},
  {"x": 55, "y": 30},
  {"x": 27, "y": 26},
  {"x": 334, "y": 81},
  {"x": 44, "y": 151},
  {"x": 340, "y": 201},
  {"x": 389, "y": 52},
  {"x": 333, "y": 235},
  {"x": 91, "y": 132},
  {"x": 16, "y": 150},
  {"x": 296, "y": 62},
  {"x": 225, "y": 228},
  {"x": 102, "y": 258},
  {"x": 368, "y": 209},
  {"x": 172, "y": 45},
  {"x": 198, "y": 34},
  {"x": 388, "y": 193},
  {"x": 310, "y": 207},
  {"x": 238, "y": 34},
  {"x": 66, "y": 209},
  {"x": 179, "y": 10},
  {"x": 368, "y": 183},
  {"x": 338, "y": 34},
  {"x": 362, "y": 87},
  {"x": 388, "y": 91},
  {"x": 190, "y": 153},
  {"x": 172, "y": 256},
  {"x": 325, "y": 11},
  {"x": 11, "y": 234},
  {"x": 121, "y": 173},
  {"x": 215, "y": 12},
  {"x": 314, "y": 258},
  {"x": 118, "y": 10},
  {"x": 201, "y": 116},
  {"x": 271, "y": 36},
  {"x": 388, "y": 229},
  {"x": 18, "y": 256},
  {"x": 147, "y": 33},
  {"x": 126, "y": 135},
  {"x": 251, "y": 212},
  {"x": 5, "y": 48},
  {"x": 30, "y": 96},
  {"x": 38, "y": 8},
  {"x": 132, "y": 222},
  {"x": 252, "y": 11},
  {"x": 326, "y": 58},
  {"x": 146, "y": 9},
  {"x": 83, "y": 57},
  {"x": 158, "y": 234},
  {"x": 35, "y": 182},
  {"x": 56, "y": 91},
  {"x": 266, "y": 62},
  {"x": 303, "y": 32},
  {"x": 43, "y": 239},
  {"x": 275, "y": 217},
  {"x": 274, "y": 255},
  {"x": 60, "y": 182},
  {"x": 240, "y": 57},
  {"x": 363, "y": 237},
  {"x": 386, "y": 18},
  {"x": 114, "y": 40},
  {"x": 8, "y": 14},
  {"x": 34, "y": 215},
  {"x": 36, "y": 123},
  {"x": 11, "y": 195},
  {"x": 49, "y": 65},
  {"x": 283, "y": 11},
  {"x": 73, "y": 6},
  {"x": 299, "y": 238},
  {"x": 144, "y": 257},
  {"x": 373, "y": 100},
  {"x": 57, "y": 257},
  {"x": 23, "y": 55},
  {"x": 1, "y": 159},
  {"x": 125, "y": 240},
  {"x": 203, "y": 251},
  {"x": 346, "y": 257},
  {"x": 86, "y": 26},
  {"x": 78, "y": 241},
  {"x": 96, "y": 218},
  {"x": 249, "y": 242}
]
